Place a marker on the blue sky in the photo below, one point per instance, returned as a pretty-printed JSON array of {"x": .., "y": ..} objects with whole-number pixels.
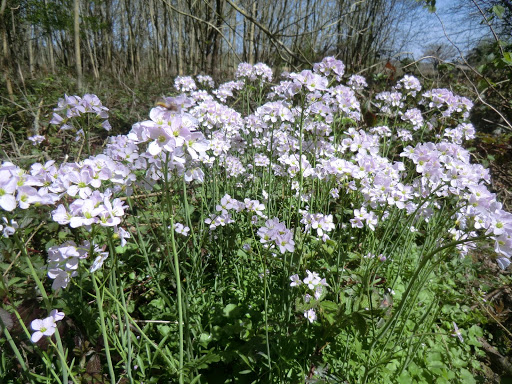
[{"x": 461, "y": 30}]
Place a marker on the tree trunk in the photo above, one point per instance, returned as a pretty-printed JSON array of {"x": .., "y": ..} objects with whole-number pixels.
[
  {"x": 214, "y": 63},
  {"x": 78, "y": 58},
  {"x": 92, "y": 57},
  {"x": 233, "y": 41},
  {"x": 51, "y": 56},
  {"x": 6, "y": 57},
  {"x": 30, "y": 48},
  {"x": 131, "y": 48},
  {"x": 108, "y": 39},
  {"x": 250, "y": 54},
  {"x": 180, "y": 39}
]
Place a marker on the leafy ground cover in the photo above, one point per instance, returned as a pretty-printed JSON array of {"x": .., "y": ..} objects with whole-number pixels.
[{"x": 254, "y": 231}]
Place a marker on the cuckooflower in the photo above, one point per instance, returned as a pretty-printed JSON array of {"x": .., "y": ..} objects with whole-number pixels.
[
  {"x": 310, "y": 314},
  {"x": 45, "y": 327}
]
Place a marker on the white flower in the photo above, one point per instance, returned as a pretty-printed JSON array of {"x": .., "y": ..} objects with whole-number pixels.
[
  {"x": 57, "y": 316},
  {"x": 98, "y": 262},
  {"x": 181, "y": 229},
  {"x": 312, "y": 280},
  {"x": 310, "y": 314},
  {"x": 457, "y": 332},
  {"x": 45, "y": 327},
  {"x": 36, "y": 139},
  {"x": 9, "y": 228},
  {"x": 295, "y": 281}
]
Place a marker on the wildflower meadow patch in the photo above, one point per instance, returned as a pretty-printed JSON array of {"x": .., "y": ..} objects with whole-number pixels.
[{"x": 254, "y": 232}]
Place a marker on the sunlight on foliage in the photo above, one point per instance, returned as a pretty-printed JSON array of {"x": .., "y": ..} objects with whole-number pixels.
[{"x": 252, "y": 232}]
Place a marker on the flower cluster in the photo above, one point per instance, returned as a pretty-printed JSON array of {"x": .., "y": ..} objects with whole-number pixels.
[
  {"x": 101, "y": 256},
  {"x": 414, "y": 117},
  {"x": 64, "y": 259},
  {"x": 184, "y": 84},
  {"x": 205, "y": 81},
  {"x": 21, "y": 189},
  {"x": 36, "y": 139},
  {"x": 389, "y": 102},
  {"x": 181, "y": 229},
  {"x": 175, "y": 143},
  {"x": 409, "y": 85},
  {"x": 74, "y": 106},
  {"x": 448, "y": 103},
  {"x": 227, "y": 90},
  {"x": 315, "y": 285},
  {"x": 228, "y": 205},
  {"x": 361, "y": 217},
  {"x": 329, "y": 65},
  {"x": 254, "y": 72},
  {"x": 276, "y": 233},
  {"x": 357, "y": 83},
  {"x": 63, "y": 263},
  {"x": 322, "y": 224},
  {"x": 94, "y": 208}
]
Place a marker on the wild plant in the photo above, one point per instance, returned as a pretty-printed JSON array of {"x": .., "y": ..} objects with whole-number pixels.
[{"x": 255, "y": 232}]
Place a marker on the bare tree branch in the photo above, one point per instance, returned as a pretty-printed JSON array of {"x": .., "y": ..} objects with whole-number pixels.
[{"x": 272, "y": 37}]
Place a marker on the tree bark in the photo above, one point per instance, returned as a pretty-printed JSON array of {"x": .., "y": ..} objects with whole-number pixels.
[
  {"x": 251, "y": 35},
  {"x": 30, "y": 48},
  {"x": 78, "y": 58},
  {"x": 180, "y": 39},
  {"x": 6, "y": 57}
]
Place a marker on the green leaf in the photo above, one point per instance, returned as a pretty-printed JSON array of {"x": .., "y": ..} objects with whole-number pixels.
[
  {"x": 120, "y": 250},
  {"x": 498, "y": 10},
  {"x": 404, "y": 378},
  {"x": 141, "y": 365},
  {"x": 359, "y": 322},
  {"x": 467, "y": 377},
  {"x": 158, "y": 303},
  {"x": 13, "y": 281},
  {"x": 414, "y": 369},
  {"x": 247, "y": 361},
  {"x": 164, "y": 329},
  {"x": 230, "y": 310},
  {"x": 329, "y": 306},
  {"x": 204, "y": 339},
  {"x": 507, "y": 58},
  {"x": 245, "y": 372},
  {"x": 130, "y": 306}
]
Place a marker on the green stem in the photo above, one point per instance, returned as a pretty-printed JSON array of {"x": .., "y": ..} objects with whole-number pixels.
[
  {"x": 14, "y": 349},
  {"x": 407, "y": 292},
  {"x": 47, "y": 303},
  {"x": 180, "y": 302},
  {"x": 176, "y": 264},
  {"x": 99, "y": 301},
  {"x": 63, "y": 357},
  {"x": 134, "y": 324},
  {"x": 265, "y": 298},
  {"x": 128, "y": 338}
]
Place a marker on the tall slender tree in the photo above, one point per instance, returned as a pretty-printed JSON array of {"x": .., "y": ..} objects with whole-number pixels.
[{"x": 78, "y": 57}]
